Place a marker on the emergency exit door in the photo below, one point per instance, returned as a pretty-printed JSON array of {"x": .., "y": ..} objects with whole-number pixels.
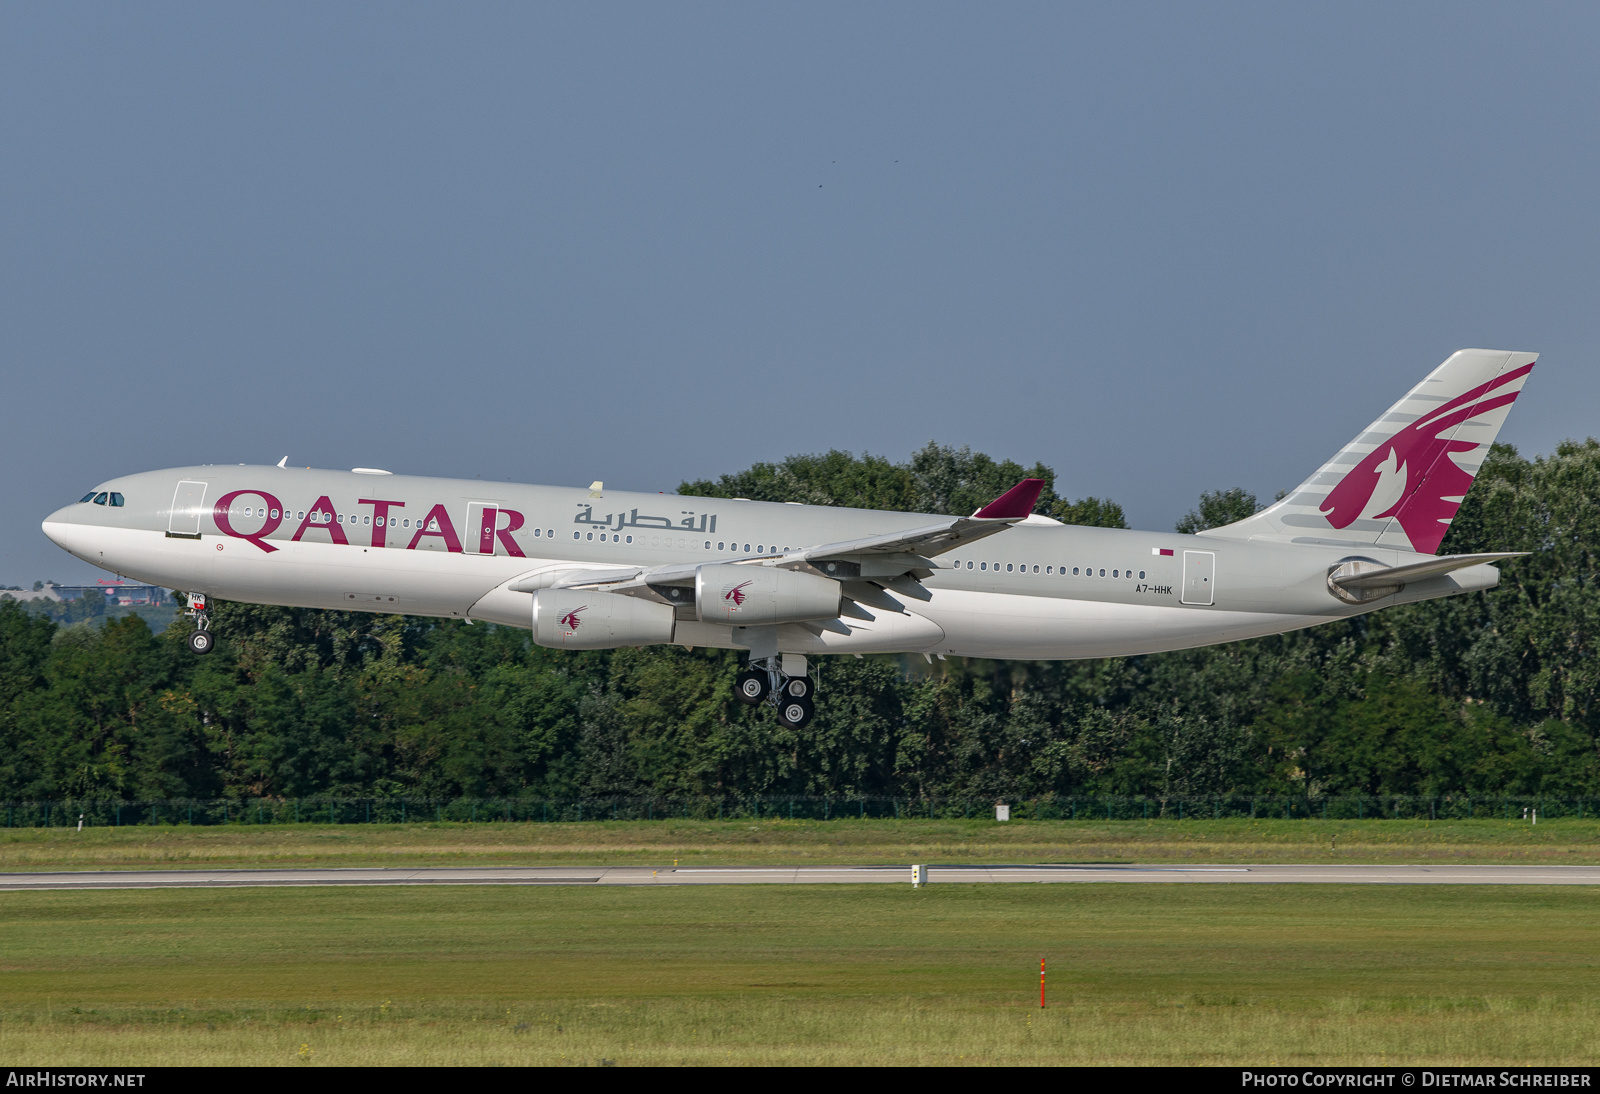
[{"x": 1199, "y": 573}]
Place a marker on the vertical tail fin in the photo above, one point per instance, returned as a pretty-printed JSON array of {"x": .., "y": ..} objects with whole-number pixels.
[{"x": 1401, "y": 481}]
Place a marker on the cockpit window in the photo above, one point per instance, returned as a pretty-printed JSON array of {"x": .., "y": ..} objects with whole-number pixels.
[
  {"x": 116, "y": 499},
  {"x": 86, "y": 498},
  {"x": 100, "y": 498}
]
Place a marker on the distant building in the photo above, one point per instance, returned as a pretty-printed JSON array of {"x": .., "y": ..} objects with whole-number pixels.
[{"x": 124, "y": 594}]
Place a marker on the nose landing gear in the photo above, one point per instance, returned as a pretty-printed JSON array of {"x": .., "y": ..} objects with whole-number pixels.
[
  {"x": 793, "y": 696},
  {"x": 201, "y": 641}
]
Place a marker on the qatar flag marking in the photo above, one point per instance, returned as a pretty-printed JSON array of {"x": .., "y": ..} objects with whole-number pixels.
[{"x": 1161, "y": 551}]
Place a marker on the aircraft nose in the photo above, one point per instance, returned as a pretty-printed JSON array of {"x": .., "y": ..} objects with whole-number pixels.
[{"x": 56, "y": 525}]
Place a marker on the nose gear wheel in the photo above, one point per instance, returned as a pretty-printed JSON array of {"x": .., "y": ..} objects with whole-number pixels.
[{"x": 201, "y": 640}]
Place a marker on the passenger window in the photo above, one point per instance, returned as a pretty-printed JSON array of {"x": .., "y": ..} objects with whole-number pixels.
[
  {"x": 366, "y": 520},
  {"x": 591, "y": 535},
  {"x": 983, "y": 565},
  {"x": 1049, "y": 569},
  {"x": 1115, "y": 574},
  {"x": 116, "y": 499},
  {"x": 969, "y": 565},
  {"x": 1036, "y": 569},
  {"x": 536, "y": 532},
  {"x": 708, "y": 544},
  {"x": 1102, "y": 571},
  {"x": 274, "y": 512},
  {"x": 1074, "y": 571},
  {"x": 302, "y": 516},
  {"x": 576, "y": 535},
  {"x": 1008, "y": 567},
  {"x": 720, "y": 546},
  {"x": 341, "y": 518},
  {"x": 747, "y": 547},
  {"x": 761, "y": 549},
  {"x": 1141, "y": 575}
]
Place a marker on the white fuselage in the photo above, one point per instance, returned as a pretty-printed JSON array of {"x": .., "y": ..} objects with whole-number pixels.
[{"x": 455, "y": 549}]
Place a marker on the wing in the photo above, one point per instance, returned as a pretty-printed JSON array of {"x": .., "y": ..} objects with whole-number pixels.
[{"x": 867, "y": 569}]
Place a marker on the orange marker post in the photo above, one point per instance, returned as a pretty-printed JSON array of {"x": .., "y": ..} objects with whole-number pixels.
[{"x": 1041, "y": 983}]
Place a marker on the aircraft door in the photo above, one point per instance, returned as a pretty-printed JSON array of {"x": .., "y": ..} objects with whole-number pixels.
[
  {"x": 487, "y": 527},
  {"x": 481, "y": 517},
  {"x": 1199, "y": 570},
  {"x": 188, "y": 504}
]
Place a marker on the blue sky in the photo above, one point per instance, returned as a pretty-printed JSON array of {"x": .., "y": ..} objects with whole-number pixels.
[{"x": 1160, "y": 247}]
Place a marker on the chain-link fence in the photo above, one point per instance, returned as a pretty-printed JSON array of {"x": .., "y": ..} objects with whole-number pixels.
[{"x": 99, "y": 813}]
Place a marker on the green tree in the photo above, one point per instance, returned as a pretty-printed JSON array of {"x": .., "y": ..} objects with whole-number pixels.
[
  {"x": 1217, "y": 508},
  {"x": 1090, "y": 513}
]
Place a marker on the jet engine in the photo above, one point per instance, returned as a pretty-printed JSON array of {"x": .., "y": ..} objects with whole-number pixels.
[
  {"x": 577, "y": 619},
  {"x": 748, "y": 596}
]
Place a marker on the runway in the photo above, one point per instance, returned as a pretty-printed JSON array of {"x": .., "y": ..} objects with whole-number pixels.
[{"x": 1097, "y": 873}]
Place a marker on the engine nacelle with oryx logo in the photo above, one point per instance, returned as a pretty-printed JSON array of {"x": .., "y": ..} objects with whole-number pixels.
[
  {"x": 762, "y": 595},
  {"x": 582, "y": 619}
]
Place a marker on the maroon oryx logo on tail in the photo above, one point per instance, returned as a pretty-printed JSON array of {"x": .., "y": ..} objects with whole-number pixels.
[
  {"x": 735, "y": 594},
  {"x": 570, "y": 620},
  {"x": 1411, "y": 476}
]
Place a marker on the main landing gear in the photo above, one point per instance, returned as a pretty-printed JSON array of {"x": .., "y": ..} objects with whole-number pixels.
[
  {"x": 201, "y": 641},
  {"x": 793, "y": 696}
]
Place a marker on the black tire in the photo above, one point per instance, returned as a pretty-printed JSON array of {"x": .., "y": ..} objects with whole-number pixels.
[
  {"x": 751, "y": 687},
  {"x": 798, "y": 687},
  {"x": 795, "y": 713},
  {"x": 201, "y": 643}
]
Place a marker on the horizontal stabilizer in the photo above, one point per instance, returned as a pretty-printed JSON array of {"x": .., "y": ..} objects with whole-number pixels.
[{"x": 1416, "y": 571}]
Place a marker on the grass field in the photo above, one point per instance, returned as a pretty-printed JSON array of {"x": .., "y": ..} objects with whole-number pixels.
[
  {"x": 797, "y": 974},
  {"x": 768, "y": 841},
  {"x": 793, "y": 974}
]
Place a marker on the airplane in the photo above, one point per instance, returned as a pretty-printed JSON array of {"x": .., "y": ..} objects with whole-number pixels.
[{"x": 600, "y": 569}]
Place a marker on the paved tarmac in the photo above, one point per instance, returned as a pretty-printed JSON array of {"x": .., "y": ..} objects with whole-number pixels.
[{"x": 808, "y": 875}]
